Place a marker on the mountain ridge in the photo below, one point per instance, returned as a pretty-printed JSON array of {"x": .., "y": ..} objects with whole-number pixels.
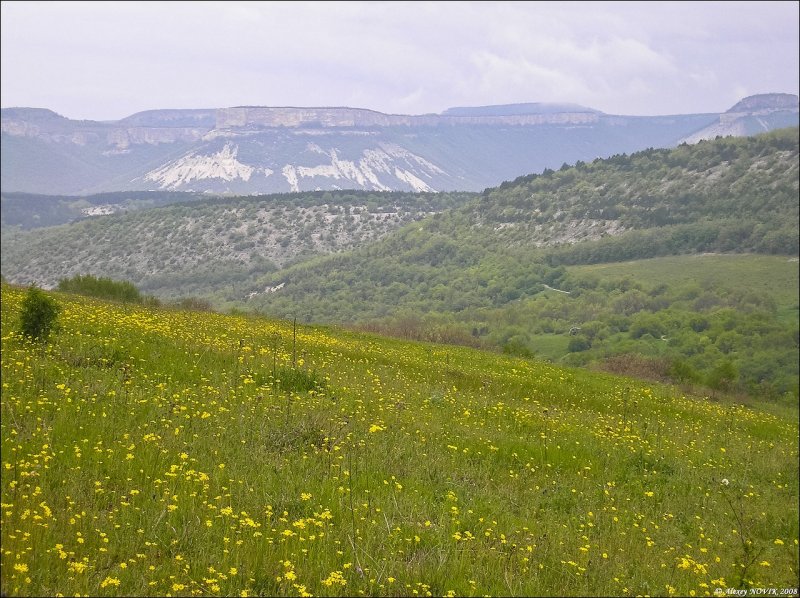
[
  {"x": 262, "y": 149},
  {"x": 166, "y": 116}
]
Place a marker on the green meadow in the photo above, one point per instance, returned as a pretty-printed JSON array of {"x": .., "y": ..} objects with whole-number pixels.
[
  {"x": 774, "y": 276},
  {"x": 151, "y": 451}
]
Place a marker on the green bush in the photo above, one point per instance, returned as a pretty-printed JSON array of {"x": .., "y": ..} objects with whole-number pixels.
[
  {"x": 517, "y": 346},
  {"x": 578, "y": 344},
  {"x": 682, "y": 371},
  {"x": 724, "y": 376},
  {"x": 39, "y": 315},
  {"x": 102, "y": 288}
]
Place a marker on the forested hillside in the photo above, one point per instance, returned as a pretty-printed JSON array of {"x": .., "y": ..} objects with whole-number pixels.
[
  {"x": 732, "y": 194},
  {"x": 728, "y": 195},
  {"x": 31, "y": 210},
  {"x": 202, "y": 246}
]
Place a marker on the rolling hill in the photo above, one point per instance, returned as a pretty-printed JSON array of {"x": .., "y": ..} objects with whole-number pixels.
[
  {"x": 727, "y": 195},
  {"x": 735, "y": 194}
]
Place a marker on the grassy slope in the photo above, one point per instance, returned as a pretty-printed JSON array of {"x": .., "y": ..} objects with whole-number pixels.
[
  {"x": 776, "y": 276},
  {"x": 149, "y": 453},
  {"x": 773, "y": 276}
]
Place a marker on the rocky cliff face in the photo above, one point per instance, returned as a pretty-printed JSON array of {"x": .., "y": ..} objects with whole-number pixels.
[{"x": 252, "y": 149}]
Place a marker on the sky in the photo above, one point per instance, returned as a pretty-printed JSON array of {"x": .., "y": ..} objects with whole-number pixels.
[{"x": 108, "y": 60}]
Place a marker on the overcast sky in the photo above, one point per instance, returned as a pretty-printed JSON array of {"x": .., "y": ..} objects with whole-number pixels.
[{"x": 107, "y": 60}]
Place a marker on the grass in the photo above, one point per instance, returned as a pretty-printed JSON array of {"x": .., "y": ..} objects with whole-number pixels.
[
  {"x": 775, "y": 275},
  {"x": 550, "y": 346},
  {"x": 158, "y": 452}
]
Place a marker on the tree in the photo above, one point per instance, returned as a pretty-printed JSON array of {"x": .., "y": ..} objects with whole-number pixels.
[{"x": 39, "y": 314}]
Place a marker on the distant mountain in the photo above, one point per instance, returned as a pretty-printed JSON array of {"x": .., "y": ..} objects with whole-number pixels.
[
  {"x": 753, "y": 115},
  {"x": 251, "y": 149}
]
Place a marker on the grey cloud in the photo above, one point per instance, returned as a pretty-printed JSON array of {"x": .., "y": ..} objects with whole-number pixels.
[{"x": 106, "y": 60}]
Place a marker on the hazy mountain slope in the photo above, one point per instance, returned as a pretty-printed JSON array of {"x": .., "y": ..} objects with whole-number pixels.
[
  {"x": 43, "y": 152},
  {"x": 28, "y": 210},
  {"x": 247, "y": 150},
  {"x": 751, "y": 116}
]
